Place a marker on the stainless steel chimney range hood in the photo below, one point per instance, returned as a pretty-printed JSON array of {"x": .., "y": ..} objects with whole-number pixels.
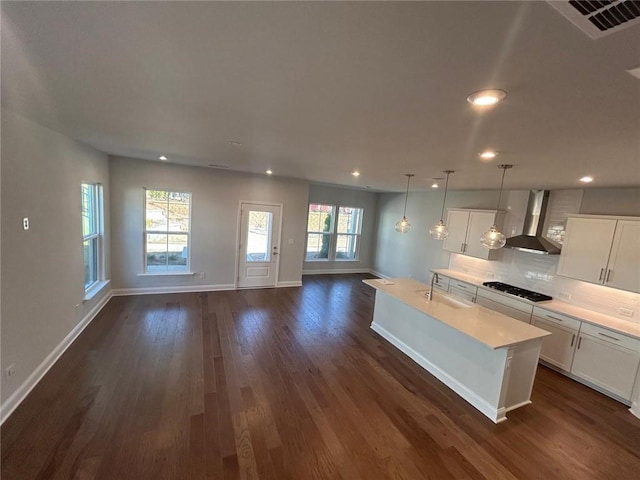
[{"x": 531, "y": 239}]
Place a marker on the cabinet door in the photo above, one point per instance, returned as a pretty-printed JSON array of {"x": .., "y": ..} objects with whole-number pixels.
[
  {"x": 608, "y": 366},
  {"x": 457, "y": 221},
  {"x": 557, "y": 348},
  {"x": 585, "y": 252},
  {"x": 479, "y": 222},
  {"x": 624, "y": 262}
]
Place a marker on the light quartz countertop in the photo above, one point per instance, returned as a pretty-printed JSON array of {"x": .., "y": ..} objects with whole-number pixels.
[
  {"x": 486, "y": 326},
  {"x": 600, "y": 319}
]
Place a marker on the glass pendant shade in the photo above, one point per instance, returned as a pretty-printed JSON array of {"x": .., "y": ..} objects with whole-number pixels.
[
  {"x": 439, "y": 231},
  {"x": 403, "y": 225},
  {"x": 493, "y": 239}
]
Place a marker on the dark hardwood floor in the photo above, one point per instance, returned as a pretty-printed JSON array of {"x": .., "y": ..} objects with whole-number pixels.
[{"x": 289, "y": 384}]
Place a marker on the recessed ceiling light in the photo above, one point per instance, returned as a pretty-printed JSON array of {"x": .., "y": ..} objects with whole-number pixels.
[
  {"x": 587, "y": 179},
  {"x": 234, "y": 143},
  {"x": 162, "y": 157},
  {"x": 269, "y": 172},
  {"x": 488, "y": 155},
  {"x": 435, "y": 185},
  {"x": 485, "y": 98},
  {"x": 355, "y": 173}
]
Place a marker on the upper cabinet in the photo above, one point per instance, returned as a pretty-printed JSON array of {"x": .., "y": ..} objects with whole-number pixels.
[
  {"x": 604, "y": 250},
  {"x": 465, "y": 229}
]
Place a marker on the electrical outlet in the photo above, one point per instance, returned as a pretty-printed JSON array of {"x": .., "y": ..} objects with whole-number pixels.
[
  {"x": 202, "y": 275},
  {"x": 626, "y": 312},
  {"x": 565, "y": 295},
  {"x": 490, "y": 275},
  {"x": 10, "y": 371},
  {"x": 25, "y": 223}
]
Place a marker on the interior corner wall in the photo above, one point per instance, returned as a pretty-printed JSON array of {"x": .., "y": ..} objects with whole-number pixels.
[
  {"x": 415, "y": 253},
  {"x": 215, "y": 201},
  {"x": 42, "y": 268},
  {"x": 347, "y": 197}
]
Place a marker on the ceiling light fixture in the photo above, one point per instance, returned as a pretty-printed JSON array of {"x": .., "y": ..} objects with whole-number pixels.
[
  {"x": 355, "y": 173},
  {"x": 587, "y": 179},
  {"x": 435, "y": 185},
  {"x": 485, "y": 98},
  {"x": 440, "y": 230},
  {"x": 163, "y": 158},
  {"x": 488, "y": 155},
  {"x": 269, "y": 172},
  {"x": 403, "y": 225},
  {"x": 493, "y": 239},
  {"x": 234, "y": 143}
]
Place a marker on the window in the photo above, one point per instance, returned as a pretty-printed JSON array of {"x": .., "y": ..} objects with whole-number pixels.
[
  {"x": 331, "y": 238},
  {"x": 166, "y": 234},
  {"x": 92, "y": 233}
]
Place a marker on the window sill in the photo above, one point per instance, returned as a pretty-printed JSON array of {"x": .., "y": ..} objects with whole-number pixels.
[
  {"x": 95, "y": 290},
  {"x": 166, "y": 274}
]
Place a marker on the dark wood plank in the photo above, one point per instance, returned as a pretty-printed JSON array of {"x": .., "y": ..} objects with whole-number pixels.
[{"x": 291, "y": 383}]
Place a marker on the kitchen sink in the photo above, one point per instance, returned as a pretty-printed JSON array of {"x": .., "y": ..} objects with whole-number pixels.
[{"x": 445, "y": 299}]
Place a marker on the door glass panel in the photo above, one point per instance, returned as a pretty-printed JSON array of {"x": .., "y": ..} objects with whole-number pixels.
[{"x": 259, "y": 236}]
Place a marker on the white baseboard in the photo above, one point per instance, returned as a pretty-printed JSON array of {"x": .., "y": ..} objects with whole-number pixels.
[
  {"x": 118, "y": 292},
  {"x": 292, "y": 283},
  {"x": 635, "y": 409},
  {"x": 378, "y": 274},
  {"x": 330, "y": 271},
  {"x": 11, "y": 403},
  {"x": 497, "y": 415}
]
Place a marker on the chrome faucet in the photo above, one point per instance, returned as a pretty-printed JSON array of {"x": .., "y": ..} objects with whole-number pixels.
[{"x": 434, "y": 279}]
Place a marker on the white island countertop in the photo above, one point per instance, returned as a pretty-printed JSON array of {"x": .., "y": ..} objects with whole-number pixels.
[{"x": 493, "y": 329}]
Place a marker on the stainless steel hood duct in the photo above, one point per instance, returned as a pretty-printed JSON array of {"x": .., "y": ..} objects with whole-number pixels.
[{"x": 531, "y": 239}]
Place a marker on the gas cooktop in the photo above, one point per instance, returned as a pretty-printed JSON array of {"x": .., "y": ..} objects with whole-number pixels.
[{"x": 518, "y": 292}]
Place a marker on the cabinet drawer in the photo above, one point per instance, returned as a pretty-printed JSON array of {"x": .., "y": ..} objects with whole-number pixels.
[
  {"x": 557, "y": 348},
  {"x": 463, "y": 286},
  {"x": 523, "y": 316},
  {"x": 468, "y": 294},
  {"x": 442, "y": 283},
  {"x": 610, "y": 336},
  {"x": 557, "y": 318},
  {"x": 504, "y": 300}
]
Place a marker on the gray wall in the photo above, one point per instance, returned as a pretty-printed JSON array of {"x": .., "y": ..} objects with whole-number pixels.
[
  {"x": 347, "y": 197},
  {"x": 216, "y": 195},
  {"x": 42, "y": 268},
  {"x": 611, "y": 201}
]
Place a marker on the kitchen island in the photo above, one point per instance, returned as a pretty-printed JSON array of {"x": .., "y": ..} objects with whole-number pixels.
[{"x": 487, "y": 358}]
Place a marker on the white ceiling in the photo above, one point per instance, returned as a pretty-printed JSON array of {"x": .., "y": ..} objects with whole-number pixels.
[{"x": 315, "y": 90}]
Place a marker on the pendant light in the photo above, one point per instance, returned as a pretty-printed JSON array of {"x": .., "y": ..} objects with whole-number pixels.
[
  {"x": 440, "y": 231},
  {"x": 493, "y": 239},
  {"x": 403, "y": 225}
]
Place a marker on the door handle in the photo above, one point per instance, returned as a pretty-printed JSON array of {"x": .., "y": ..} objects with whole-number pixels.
[
  {"x": 601, "y": 274},
  {"x": 579, "y": 342},
  {"x": 462, "y": 247},
  {"x": 608, "y": 275},
  {"x": 573, "y": 339}
]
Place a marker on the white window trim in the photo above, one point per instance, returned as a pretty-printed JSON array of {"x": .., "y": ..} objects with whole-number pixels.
[
  {"x": 98, "y": 216},
  {"x": 333, "y": 235},
  {"x": 145, "y": 272}
]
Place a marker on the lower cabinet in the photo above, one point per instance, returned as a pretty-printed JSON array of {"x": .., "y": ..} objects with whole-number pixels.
[
  {"x": 463, "y": 290},
  {"x": 511, "y": 307},
  {"x": 607, "y": 359}
]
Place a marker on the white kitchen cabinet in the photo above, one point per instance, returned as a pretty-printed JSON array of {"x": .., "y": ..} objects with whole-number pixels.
[
  {"x": 465, "y": 229},
  {"x": 558, "y": 348},
  {"x": 509, "y": 306},
  {"x": 607, "y": 359},
  {"x": 464, "y": 290},
  {"x": 604, "y": 250}
]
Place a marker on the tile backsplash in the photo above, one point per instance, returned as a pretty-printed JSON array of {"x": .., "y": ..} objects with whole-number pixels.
[{"x": 538, "y": 273}]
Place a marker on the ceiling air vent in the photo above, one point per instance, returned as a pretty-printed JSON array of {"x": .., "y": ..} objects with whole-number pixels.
[{"x": 598, "y": 18}]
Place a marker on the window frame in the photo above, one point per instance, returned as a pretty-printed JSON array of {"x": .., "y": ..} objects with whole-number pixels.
[
  {"x": 97, "y": 234},
  {"x": 167, "y": 232},
  {"x": 333, "y": 234}
]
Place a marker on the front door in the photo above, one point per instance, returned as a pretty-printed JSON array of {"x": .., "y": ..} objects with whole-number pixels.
[{"x": 259, "y": 254}]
